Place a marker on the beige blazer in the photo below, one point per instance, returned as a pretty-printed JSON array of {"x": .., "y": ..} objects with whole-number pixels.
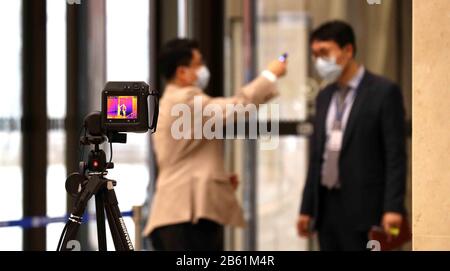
[{"x": 192, "y": 182}]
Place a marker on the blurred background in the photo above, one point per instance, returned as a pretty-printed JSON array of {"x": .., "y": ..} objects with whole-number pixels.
[{"x": 56, "y": 56}]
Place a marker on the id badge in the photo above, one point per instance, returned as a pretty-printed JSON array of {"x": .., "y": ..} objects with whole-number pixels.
[{"x": 335, "y": 141}]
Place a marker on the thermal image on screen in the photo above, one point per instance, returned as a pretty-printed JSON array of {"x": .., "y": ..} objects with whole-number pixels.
[{"x": 122, "y": 107}]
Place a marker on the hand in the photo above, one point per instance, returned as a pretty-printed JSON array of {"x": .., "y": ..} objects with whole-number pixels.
[
  {"x": 303, "y": 223},
  {"x": 391, "y": 220},
  {"x": 234, "y": 181},
  {"x": 278, "y": 68}
]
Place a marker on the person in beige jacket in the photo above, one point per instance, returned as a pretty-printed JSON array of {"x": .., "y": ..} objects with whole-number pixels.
[{"x": 194, "y": 195}]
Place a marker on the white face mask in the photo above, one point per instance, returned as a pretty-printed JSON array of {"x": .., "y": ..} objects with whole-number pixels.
[
  {"x": 328, "y": 69},
  {"x": 203, "y": 75}
]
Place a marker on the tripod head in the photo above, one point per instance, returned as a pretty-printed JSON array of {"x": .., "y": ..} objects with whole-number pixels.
[
  {"x": 96, "y": 163},
  {"x": 96, "y": 135}
]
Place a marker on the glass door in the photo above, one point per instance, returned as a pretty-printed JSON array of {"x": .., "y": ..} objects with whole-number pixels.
[
  {"x": 282, "y": 27},
  {"x": 261, "y": 30}
]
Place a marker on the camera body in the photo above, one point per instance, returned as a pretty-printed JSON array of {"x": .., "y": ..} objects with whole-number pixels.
[{"x": 129, "y": 107}]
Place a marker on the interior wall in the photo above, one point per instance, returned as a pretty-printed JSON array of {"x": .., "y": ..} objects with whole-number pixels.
[{"x": 431, "y": 186}]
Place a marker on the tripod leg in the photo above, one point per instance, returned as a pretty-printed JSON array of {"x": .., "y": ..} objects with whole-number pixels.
[
  {"x": 70, "y": 234},
  {"x": 121, "y": 238},
  {"x": 71, "y": 229},
  {"x": 100, "y": 215}
]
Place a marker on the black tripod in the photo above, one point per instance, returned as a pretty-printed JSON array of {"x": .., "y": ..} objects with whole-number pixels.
[{"x": 91, "y": 181}]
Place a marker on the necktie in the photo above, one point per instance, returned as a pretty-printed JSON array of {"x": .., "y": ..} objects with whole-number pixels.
[{"x": 330, "y": 167}]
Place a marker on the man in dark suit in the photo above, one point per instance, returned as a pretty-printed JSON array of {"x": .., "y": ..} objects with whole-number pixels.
[{"x": 357, "y": 168}]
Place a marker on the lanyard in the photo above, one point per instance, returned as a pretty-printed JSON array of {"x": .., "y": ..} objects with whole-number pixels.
[{"x": 340, "y": 111}]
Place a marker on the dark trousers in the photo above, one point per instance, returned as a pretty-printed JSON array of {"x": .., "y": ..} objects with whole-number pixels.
[
  {"x": 206, "y": 235},
  {"x": 335, "y": 233}
]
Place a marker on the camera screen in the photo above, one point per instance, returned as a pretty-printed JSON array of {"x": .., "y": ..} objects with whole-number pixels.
[{"x": 122, "y": 107}]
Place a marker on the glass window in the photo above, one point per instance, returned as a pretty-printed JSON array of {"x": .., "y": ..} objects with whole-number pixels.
[
  {"x": 10, "y": 113},
  {"x": 56, "y": 110},
  {"x": 127, "y": 34}
]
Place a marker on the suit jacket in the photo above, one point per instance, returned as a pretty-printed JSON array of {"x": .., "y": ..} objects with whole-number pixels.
[
  {"x": 192, "y": 182},
  {"x": 372, "y": 162}
]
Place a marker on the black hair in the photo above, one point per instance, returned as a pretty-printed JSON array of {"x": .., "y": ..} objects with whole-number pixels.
[
  {"x": 338, "y": 31},
  {"x": 175, "y": 53}
]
